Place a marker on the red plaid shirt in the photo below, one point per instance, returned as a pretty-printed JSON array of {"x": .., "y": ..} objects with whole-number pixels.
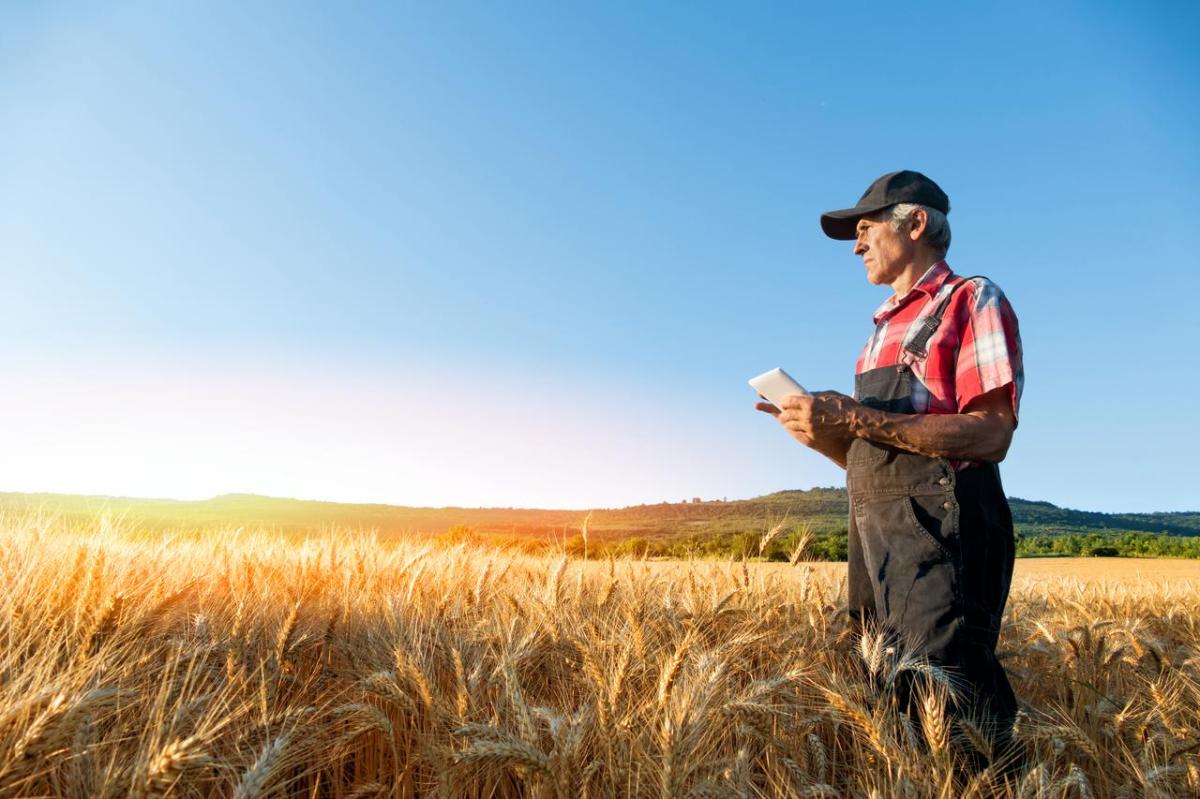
[{"x": 976, "y": 349}]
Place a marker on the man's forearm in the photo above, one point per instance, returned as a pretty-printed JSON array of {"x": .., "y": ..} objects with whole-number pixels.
[{"x": 960, "y": 436}]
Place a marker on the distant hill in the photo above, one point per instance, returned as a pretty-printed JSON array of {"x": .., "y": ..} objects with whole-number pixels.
[{"x": 823, "y": 510}]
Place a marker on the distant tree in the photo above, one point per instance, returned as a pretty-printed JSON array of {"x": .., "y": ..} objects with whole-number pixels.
[
  {"x": 637, "y": 546},
  {"x": 459, "y": 534}
]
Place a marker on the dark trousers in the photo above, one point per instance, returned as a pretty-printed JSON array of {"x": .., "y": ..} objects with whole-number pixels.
[{"x": 930, "y": 563}]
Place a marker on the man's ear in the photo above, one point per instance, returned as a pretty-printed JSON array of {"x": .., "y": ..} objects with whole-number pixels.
[{"x": 918, "y": 221}]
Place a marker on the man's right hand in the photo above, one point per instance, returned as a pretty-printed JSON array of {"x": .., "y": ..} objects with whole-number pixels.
[{"x": 833, "y": 447}]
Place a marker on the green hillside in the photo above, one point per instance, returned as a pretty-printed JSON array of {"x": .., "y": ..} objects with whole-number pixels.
[{"x": 695, "y": 527}]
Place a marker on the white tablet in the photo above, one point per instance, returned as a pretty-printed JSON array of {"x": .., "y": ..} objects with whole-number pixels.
[{"x": 775, "y": 385}]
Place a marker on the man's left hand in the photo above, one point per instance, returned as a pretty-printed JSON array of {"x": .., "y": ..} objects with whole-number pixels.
[{"x": 821, "y": 416}]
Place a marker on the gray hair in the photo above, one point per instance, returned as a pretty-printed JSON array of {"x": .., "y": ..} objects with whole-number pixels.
[{"x": 937, "y": 226}]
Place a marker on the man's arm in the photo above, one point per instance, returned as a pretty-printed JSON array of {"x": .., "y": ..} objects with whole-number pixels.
[
  {"x": 982, "y": 432},
  {"x": 828, "y": 422}
]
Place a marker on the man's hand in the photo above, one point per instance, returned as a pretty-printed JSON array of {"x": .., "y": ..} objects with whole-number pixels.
[
  {"x": 809, "y": 418},
  {"x": 820, "y": 421}
]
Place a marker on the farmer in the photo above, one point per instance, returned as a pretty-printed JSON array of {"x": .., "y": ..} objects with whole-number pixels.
[{"x": 936, "y": 391}]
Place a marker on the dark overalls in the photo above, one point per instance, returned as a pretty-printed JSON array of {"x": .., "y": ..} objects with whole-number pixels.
[{"x": 931, "y": 551}]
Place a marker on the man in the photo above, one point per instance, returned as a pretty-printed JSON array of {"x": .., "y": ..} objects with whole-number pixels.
[{"x": 935, "y": 402}]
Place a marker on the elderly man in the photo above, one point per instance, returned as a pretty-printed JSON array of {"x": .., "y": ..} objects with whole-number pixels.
[{"x": 935, "y": 401}]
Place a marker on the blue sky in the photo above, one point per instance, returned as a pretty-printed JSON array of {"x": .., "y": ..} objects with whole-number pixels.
[{"x": 529, "y": 254}]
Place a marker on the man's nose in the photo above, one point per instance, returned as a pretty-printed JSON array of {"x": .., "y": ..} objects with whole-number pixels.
[{"x": 860, "y": 246}]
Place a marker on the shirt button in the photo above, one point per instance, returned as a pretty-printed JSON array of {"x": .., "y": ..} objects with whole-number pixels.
[
  {"x": 945, "y": 481},
  {"x": 948, "y": 505}
]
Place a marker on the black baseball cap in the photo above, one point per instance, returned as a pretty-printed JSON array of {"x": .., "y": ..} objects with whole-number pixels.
[{"x": 904, "y": 186}]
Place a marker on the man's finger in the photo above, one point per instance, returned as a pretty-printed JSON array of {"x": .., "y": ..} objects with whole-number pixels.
[{"x": 767, "y": 407}]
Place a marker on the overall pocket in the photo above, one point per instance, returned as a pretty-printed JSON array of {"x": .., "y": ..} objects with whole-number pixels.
[{"x": 929, "y": 516}]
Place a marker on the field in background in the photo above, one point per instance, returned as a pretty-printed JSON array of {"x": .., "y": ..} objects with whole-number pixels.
[
  {"x": 689, "y": 529},
  {"x": 243, "y": 665}
]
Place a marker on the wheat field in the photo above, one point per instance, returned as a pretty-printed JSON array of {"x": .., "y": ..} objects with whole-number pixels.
[{"x": 242, "y": 665}]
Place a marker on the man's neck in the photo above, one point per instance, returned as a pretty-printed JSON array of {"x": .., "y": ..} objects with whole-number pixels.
[{"x": 913, "y": 272}]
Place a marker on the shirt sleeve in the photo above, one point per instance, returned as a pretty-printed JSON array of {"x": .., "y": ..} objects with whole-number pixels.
[{"x": 990, "y": 354}]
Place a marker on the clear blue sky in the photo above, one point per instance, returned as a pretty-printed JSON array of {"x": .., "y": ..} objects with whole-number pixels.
[{"x": 528, "y": 254}]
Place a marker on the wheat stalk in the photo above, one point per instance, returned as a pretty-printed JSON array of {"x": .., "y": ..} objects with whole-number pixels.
[
  {"x": 168, "y": 766},
  {"x": 770, "y": 535},
  {"x": 258, "y": 775},
  {"x": 283, "y": 639}
]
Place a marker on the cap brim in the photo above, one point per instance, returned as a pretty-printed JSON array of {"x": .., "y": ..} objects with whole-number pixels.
[{"x": 842, "y": 225}]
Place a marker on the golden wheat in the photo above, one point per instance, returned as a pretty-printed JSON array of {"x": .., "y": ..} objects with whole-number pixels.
[{"x": 245, "y": 664}]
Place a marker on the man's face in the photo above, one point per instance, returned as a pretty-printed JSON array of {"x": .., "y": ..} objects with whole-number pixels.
[{"x": 885, "y": 251}]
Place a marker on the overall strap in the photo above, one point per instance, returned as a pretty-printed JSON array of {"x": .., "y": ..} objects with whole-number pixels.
[{"x": 929, "y": 324}]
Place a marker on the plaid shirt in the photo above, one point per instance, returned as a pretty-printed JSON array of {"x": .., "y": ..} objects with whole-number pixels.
[{"x": 976, "y": 349}]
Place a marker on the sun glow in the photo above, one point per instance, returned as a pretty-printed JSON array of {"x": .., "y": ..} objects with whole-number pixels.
[{"x": 423, "y": 440}]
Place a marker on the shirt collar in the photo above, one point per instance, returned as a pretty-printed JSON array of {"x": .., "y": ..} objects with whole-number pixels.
[{"x": 929, "y": 283}]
